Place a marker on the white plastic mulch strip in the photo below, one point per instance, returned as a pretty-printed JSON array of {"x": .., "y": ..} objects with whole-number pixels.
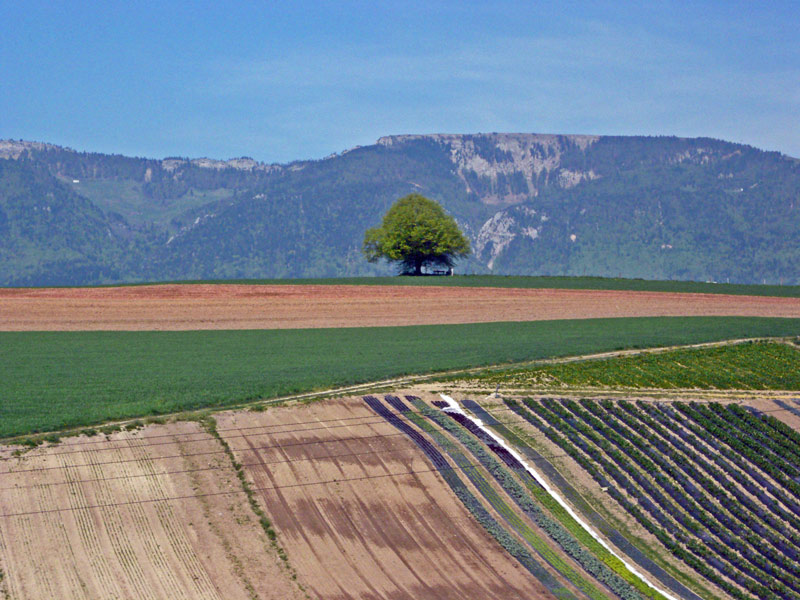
[{"x": 453, "y": 406}]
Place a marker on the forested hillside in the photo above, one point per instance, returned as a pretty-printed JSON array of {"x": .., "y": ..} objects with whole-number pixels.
[{"x": 650, "y": 207}]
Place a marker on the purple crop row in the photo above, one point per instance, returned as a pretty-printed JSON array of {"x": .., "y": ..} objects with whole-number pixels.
[
  {"x": 734, "y": 457},
  {"x": 396, "y": 403},
  {"x": 662, "y": 524},
  {"x": 749, "y": 571},
  {"x": 487, "y": 439},
  {"x": 757, "y": 435},
  {"x": 610, "y": 468},
  {"x": 732, "y": 526},
  {"x": 710, "y": 423},
  {"x": 745, "y": 514},
  {"x": 429, "y": 449},
  {"x": 470, "y": 502},
  {"x": 653, "y": 500},
  {"x": 723, "y": 472}
]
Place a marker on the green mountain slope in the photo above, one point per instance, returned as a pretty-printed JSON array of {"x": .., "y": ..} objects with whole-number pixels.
[
  {"x": 48, "y": 232},
  {"x": 650, "y": 207}
]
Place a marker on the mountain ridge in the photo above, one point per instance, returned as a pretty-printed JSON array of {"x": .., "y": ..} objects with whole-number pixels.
[{"x": 541, "y": 204}]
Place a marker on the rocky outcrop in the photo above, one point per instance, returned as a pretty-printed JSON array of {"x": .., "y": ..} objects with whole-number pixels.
[
  {"x": 503, "y": 228},
  {"x": 244, "y": 163},
  {"x": 15, "y": 148},
  {"x": 491, "y": 164},
  {"x": 666, "y": 207}
]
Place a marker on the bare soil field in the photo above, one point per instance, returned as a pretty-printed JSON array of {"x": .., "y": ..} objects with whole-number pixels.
[
  {"x": 222, "y": 306},
  {"x": 153, "y": 514},
  {"x": 360, "y": 512},
  {"x": 159, "y": 513}
]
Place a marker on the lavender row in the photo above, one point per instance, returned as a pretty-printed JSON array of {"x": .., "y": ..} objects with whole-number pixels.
[
  {"x": 742, "y": 463},
  {"x": 724, "y": 432},
  {"x": 724, "y": 473},
  {"x": 672, "y": 544},
  {"x": 765, "y": 563},
  {"x": 585, "y": 509},
  {"x": 750, "y": 572}
]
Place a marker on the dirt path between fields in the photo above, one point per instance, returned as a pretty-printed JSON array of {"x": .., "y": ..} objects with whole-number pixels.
[{"x": 223, "y": 306}]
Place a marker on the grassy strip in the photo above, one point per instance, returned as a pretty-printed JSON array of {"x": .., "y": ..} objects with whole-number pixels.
[
  {"x": 530, "y": 282},
  {"x": 210, "y": 425},
  {"x": 587, "y": 558},
  {"x": 513, "y": 519},
  {"x": 57, "y": 380},
  {"x": 752, "y": 365}
]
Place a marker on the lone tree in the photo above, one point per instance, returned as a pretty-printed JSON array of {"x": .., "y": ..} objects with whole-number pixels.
[{"x": 416, "y": 232}]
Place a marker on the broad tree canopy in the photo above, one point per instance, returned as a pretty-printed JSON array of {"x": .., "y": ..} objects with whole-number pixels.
[{"x": 416, "y": 232}]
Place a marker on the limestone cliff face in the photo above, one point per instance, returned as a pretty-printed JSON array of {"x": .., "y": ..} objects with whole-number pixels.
[
  {"x": 503, "y": 228},
  {"x": 508, "y": 168}
]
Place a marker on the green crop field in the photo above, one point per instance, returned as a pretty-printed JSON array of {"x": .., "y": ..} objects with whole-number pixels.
[
  {"x": 529, "y": 282},
  {"x": 57, "y": 380},
  {"x": 760, "y": 365}
]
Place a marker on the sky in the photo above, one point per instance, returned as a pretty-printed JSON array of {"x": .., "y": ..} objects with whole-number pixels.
[{"x": 301, "y": 80}]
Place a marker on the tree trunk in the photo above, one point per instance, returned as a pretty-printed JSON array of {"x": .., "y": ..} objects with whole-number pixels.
[{"x": 418, "y": 266}]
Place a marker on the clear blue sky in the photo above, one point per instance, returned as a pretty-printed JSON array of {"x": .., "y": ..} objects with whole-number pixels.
[{"x": 224, "y": 79}]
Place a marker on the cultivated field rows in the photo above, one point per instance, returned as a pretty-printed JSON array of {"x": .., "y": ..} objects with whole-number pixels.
[
  {"x": 393, "y": 497},
  {"x": 152, "y": 514},
  {"x": 362, "y": 513},
  {"x": 486, "y": 501},
  {"x": 766, "y": 365},
  {"x": 713, "y": 485}
]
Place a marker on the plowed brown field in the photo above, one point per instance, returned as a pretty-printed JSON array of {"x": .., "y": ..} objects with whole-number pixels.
[
  {"x": 337, "y": 482},
  {"x": 153, "y": 514},
  {"x": 183, "y": 307}
]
